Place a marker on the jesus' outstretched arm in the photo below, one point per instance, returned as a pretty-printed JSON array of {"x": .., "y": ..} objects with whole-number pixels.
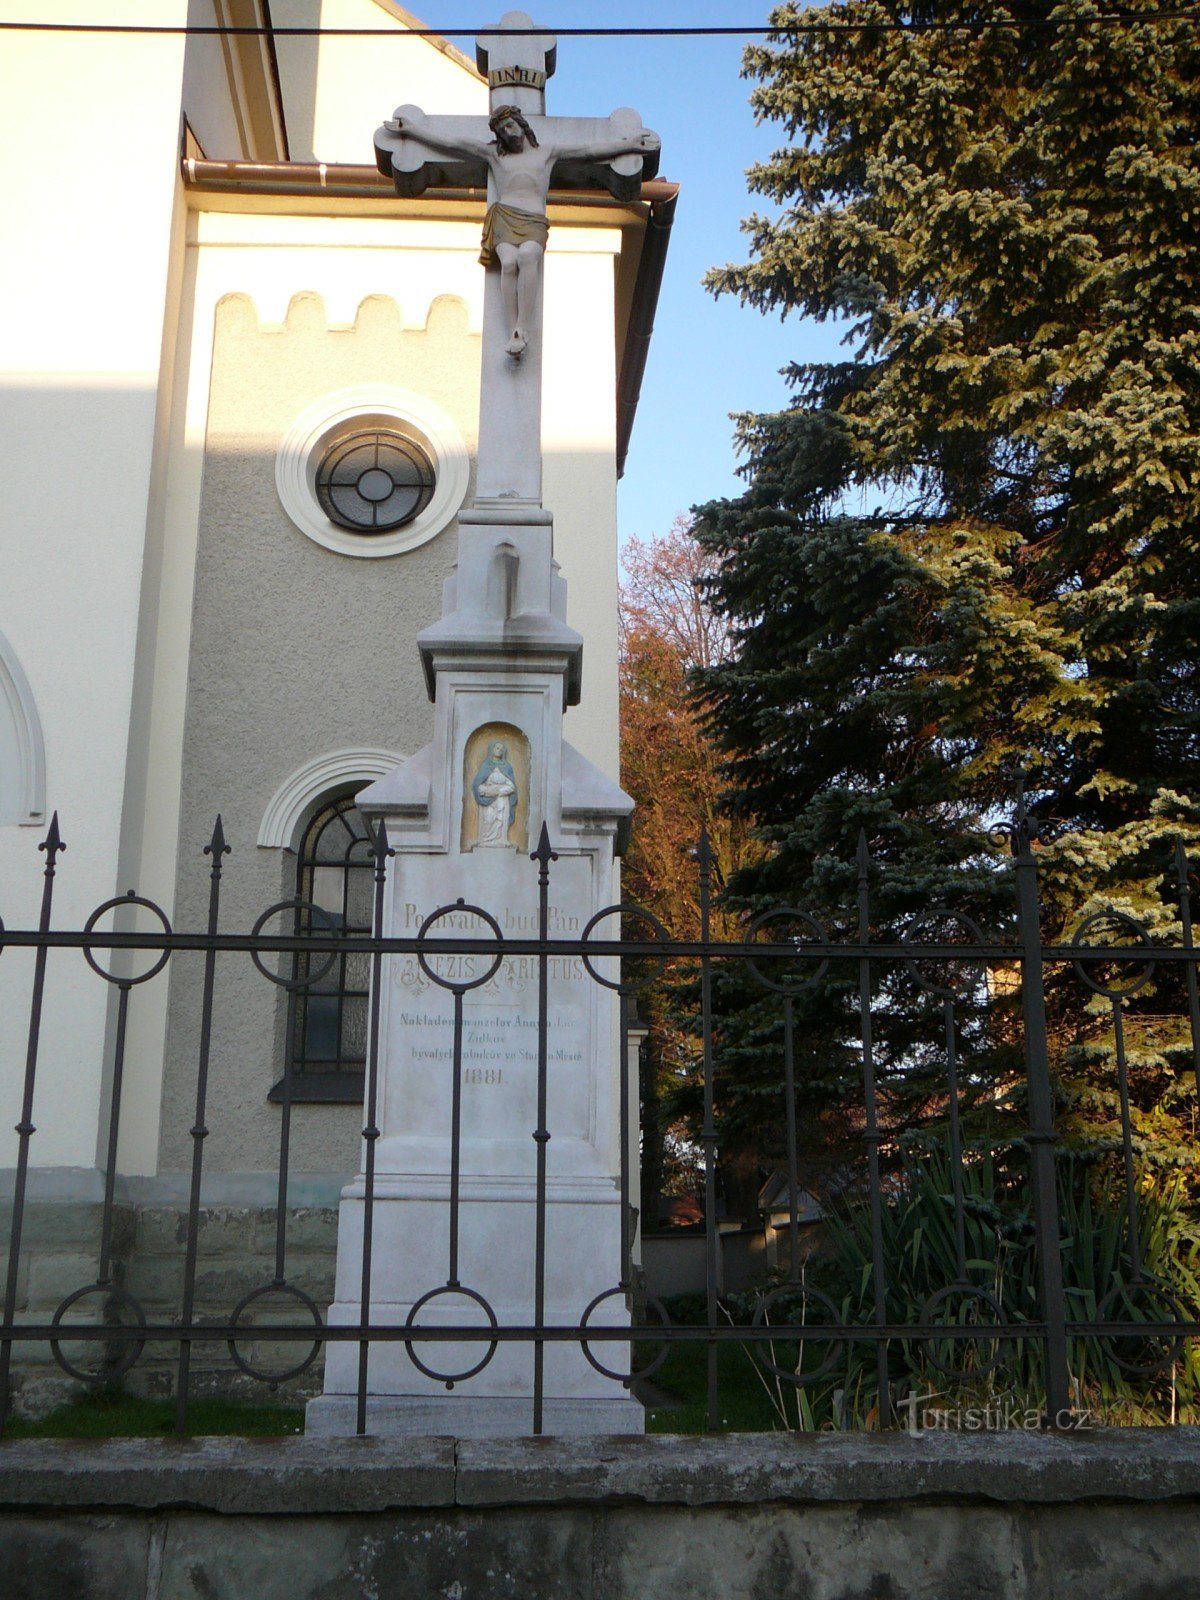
[
  {"x": 427, "y": 130},
  {"x": 639, "y": 144}
]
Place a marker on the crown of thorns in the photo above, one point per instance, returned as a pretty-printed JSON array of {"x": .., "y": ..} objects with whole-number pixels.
[{"x": 512, "y": 114}]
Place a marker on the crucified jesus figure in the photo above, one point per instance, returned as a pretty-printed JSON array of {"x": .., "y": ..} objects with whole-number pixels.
[{"x": 515, "y": 229}]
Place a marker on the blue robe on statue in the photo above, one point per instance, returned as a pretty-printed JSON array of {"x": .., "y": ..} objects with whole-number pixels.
[{"x": 487, "y": 766}]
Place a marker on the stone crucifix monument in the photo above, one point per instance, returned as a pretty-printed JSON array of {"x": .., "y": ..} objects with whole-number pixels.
[
  {"x": 519, "y": 152},
  {"x": 495, "y": 1191}
]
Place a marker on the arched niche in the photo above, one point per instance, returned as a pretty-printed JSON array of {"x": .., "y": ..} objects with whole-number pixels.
[
  {"x": 479, "y": 755},
  {"x": 22, "y": 747}
]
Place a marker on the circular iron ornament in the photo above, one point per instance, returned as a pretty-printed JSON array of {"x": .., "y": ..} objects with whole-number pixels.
[
  {"x": 374, "y": 480},
  {"x": 296, "y": 904},
  {"x": 1164, "y": 1297},
  {"x": 129, "y": 899},
  {"x": 450, "y": 1378},
  {"x": 626, "y": 1378},
  {"x": 931, "y": 920},
  {"x": 787, "y": 914},
  {"x": 1100, "y": 919},
  {"x": 967, "y": 1291},
  {"x": 760, "y": 1314},
  {"x": 290, "y": 1292},
  {"x": 134, "y": 1344},
  {"x": 625, "y": 908},
  {"x": 462, "y": 909}
]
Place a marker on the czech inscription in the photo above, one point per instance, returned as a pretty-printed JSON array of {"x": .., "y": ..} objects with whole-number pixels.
[{"x": 500, "y": 1017}]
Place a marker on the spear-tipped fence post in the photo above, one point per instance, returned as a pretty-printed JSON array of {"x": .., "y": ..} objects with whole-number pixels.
[
  {"x": 1041, "y": 1136},
  {"x": 52, "y": 844},
  {"x": 708, "y": 1133},
  {"x": 217, "y": 850},
  {"x": 872, "y": 1135},
  {"x": 543, "y": 855},
  {"x": 381, "y": 851}
]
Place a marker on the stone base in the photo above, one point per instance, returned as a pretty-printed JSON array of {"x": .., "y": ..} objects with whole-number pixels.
[
  {"x": 60, "y": 1249},
  {"x": 471, "y": 1417}
]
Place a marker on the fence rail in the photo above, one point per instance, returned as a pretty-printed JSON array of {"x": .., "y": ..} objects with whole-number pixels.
[{"x": 964, "y": 1331}]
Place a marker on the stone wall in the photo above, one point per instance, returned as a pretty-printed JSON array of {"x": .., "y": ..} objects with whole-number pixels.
[
  {"x": 59, "y": 1254},
  {"x": 830, "y": 1517},
  {"x": 235, "y": 1257}
]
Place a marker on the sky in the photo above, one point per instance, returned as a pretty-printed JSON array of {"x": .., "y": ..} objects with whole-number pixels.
[{"x": 708, "y": 357}]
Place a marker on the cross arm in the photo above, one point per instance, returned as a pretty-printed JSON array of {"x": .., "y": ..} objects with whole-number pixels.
[
  {"x": 416, "y": 150},
  {"x": 614, "y": 153}
]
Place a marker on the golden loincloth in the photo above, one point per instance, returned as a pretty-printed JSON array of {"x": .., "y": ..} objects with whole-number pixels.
[{"x": 510, "y": 225}]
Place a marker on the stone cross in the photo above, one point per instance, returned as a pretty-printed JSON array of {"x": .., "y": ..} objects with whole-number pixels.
[
  {"x": 544, "y": 1232},
  {"x": 522, "y": 154}
]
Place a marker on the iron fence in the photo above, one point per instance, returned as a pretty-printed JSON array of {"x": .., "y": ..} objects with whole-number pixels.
[{"x": 797, "y": 1332}]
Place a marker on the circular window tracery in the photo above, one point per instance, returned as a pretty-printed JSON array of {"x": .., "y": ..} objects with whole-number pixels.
[
  {"x": 374, "y": 479},
  {"x": 340, "y": 495}
]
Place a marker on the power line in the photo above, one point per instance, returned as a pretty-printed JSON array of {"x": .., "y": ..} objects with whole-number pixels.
[{"x": 784, "y": 30}]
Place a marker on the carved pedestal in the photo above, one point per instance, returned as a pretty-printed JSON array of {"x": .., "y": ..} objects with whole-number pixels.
[{"x": 502, "y": 663}]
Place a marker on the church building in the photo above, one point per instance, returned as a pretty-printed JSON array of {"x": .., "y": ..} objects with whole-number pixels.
[{"x": 240, "y": 402}]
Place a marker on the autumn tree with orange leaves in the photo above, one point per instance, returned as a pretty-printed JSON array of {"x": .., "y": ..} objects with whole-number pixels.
[
  {"x": 671, "y": 767},
  {"x": 669, "y": 763}
]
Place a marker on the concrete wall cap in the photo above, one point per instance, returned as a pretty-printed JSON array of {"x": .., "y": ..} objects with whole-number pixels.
[{"x": 301, "y": 1475}]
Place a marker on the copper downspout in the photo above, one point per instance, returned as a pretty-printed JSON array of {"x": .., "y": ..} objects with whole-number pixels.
[{"x": 318, "y": 177}]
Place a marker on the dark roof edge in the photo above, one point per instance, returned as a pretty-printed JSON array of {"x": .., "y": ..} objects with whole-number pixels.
[
  {"x": 642, "y": 313},
  {"x": 276, "y": 80}
]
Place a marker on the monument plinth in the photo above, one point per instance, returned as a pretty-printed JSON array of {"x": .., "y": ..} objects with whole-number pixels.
[{"x": 500, "y": 829}]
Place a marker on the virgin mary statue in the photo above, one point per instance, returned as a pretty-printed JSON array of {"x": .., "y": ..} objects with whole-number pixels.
[{"x": 495, "y": 791}]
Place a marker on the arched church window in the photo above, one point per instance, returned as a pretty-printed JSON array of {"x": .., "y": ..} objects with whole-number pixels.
[{"x": 328, "y": 1024}]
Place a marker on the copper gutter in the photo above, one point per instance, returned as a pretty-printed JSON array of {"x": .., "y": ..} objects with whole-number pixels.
[{"x": 319, "y": 177}]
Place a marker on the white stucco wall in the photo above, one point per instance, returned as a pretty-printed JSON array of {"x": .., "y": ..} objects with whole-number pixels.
[
  {"x": 336, "y": 97},
  {"x": 579, "y": 468},
  {"x": 89, "y": 187}
]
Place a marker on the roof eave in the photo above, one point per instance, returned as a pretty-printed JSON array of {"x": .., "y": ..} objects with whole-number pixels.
[{"x": 321, "y": 178}]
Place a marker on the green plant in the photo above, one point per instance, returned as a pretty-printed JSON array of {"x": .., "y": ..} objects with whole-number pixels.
[{"x": 920, "y": 1252}]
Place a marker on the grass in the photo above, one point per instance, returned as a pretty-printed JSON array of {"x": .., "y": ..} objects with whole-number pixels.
[
  {"x": 743, "y": 1403},
  {"x": 115, "y": 1415}
]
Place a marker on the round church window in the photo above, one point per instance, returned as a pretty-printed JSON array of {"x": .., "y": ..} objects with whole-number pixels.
[
  {"x": 372, "y": 470},
  {"x": 374, "y": 480}
]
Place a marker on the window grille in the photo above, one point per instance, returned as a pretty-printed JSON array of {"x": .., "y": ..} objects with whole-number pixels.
[
  {"x": 334, "y": 887},
  {"x": 373, "y": 480}
]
